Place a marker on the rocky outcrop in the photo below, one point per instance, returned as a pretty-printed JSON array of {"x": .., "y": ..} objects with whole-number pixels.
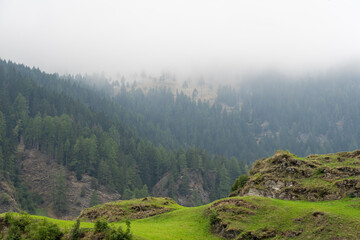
[
  {"x": 7, "y": 197},
  {"x": 314, "y": 178},
  {"x": 195, "y": 193}
]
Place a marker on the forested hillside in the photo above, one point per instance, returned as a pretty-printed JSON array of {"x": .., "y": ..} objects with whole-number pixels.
[
  {"x": 63, "y": 120},
  {"x": 312, "y": 114},
  {"x": 139, "y": 142},
  {"x": 262, "y": 114}
]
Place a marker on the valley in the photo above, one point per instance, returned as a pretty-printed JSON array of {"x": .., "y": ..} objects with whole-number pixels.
[
  {"x": 179, "y": 120},
  {"x": 251, "y": 216},
  {"x": 167, "y": 162}
]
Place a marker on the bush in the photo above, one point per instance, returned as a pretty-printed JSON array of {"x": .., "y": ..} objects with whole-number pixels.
[
  {"x": 44, "y": 230},
  {"x": 76, "y": 232},
  {"x": 9, "y": 217},
  {"x": 14, "y": 233},
  {"x": 22, "y": 221},
  {"x": 213, "y": 216},
  {"x": 119, "y": 233},
  {"x": 101, "y": 225},
  {"x": 240, "y": 182}
]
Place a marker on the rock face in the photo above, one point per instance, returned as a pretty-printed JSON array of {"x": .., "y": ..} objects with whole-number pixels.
[
  {"x": 193, "y": 195},
  {"x": 7, "y": 198},
  {"x": 314, "y": 178},
  {"x": 40, "y": 174}
]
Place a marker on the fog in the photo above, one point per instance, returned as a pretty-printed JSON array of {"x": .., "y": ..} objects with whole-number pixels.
[{"x": 179, "y": 36}]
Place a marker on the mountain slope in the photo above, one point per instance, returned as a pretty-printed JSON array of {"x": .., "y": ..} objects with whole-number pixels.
[
  {"x": 86, "y": 134},
  {"x": 42, "y": 176}
]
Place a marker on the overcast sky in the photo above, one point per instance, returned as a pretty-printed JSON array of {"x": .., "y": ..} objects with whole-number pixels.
[{"x": 181, "y": 36}]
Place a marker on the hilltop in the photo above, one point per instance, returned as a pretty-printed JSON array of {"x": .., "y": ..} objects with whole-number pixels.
[{"x": 313, "y": 178}]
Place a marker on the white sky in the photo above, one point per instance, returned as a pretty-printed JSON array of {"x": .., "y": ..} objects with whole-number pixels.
[{"x": 181, "y": 36}]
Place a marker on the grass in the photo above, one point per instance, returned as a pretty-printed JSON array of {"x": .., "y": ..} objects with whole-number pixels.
[
  {"x": 184, "y": 223},
  {"x": 340, "y": 218},
  {"x": 63, "y": 224},
  {"x": 158, "y": 201},
  {"x": 179, "y": 223}
]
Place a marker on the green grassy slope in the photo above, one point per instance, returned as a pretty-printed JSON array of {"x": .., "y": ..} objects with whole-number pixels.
[
  {"x": 248, "y": 218},
  {"x": 184, "y": 223},
  {"x": 169, "y": 220},
  {"x": 282, "y": 219}
]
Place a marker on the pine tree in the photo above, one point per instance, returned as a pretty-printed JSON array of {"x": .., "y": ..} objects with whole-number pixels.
[
  {"x": 94, "y": 199},
  {"x": 184, "y": 185},
  {"x": 60, "y": 199},
  {"x": 224, "y": 182}
]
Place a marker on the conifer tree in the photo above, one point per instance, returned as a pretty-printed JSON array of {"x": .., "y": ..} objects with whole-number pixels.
[
  {"x": 60, "y": 199},
  {"x": 94, "y": 199}
]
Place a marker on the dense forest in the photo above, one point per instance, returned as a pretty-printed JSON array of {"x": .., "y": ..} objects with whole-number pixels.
[
  {"x": 265, "y": 113},
  {"x": 129, "y": 139},
  {"x": 75, "y": 133}
]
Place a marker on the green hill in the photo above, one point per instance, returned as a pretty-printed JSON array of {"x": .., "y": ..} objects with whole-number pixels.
[{"x": 232, "y": 218}]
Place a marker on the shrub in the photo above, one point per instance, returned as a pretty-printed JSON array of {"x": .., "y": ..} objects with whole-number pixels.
[
  {"x": 14, "y": 233},
  {"x": 119, "y": 233},
  {"x": 44, "y": 230},
  {"x": 101, "y": 225},
  {"x": 213, "y": 216},
  {"x": 22, "y": 221},
  {"x": 9, "y": 217},
  {"x": 76, "y": 232},
  {"x": 240, "y": 182}
]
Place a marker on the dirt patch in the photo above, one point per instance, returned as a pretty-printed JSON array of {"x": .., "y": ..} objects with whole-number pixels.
[
  {"x": 318, "y": 214},
  {"x": 261, "y": 234},
  {"x": 235, "y": 202},
  {"x": 291, "y": 234}
]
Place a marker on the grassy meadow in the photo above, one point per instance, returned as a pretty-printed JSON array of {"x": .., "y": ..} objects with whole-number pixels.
[{"x": 283, "y": 219}]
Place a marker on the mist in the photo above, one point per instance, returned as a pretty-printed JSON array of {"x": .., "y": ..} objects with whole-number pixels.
[{"x": 204, "y": 37}]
